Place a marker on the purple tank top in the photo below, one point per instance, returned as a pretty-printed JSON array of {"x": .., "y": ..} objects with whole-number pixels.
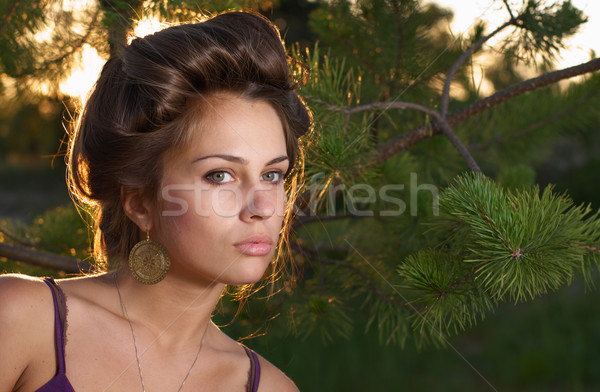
[
  {"x": 254, "y": 376},
  {"x": 60, "y": 382}
]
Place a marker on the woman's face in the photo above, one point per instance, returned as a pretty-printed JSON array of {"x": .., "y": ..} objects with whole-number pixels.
[{"x": 223, "y": 198}]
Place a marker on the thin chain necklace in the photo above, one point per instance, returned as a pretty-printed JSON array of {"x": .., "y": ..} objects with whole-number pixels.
[{"x": 137, "y": 357}]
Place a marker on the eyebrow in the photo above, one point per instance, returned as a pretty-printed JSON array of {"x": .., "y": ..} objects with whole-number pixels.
[{"x": 240, "y": 160}]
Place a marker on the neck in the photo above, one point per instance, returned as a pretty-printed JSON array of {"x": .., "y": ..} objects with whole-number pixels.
[{"x": 175, "y": 311}]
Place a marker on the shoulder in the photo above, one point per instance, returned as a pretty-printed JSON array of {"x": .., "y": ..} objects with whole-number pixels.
[
  {"x": 274, "y": 380},
  {"x": 271, "y": 378},
  {"x": 25, "y": 303},
  {"x": 26, "y": 324},
  {"x": 22, "y": 298}
]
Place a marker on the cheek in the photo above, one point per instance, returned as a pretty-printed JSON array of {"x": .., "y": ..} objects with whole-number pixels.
[
  {"x": 221, "y": 201},
  {"x": 281, "y": 203},
  {"x": 202, "y": 201},
  {"x": 176, "y": 224},
  {"x": 177, "y": 200},
  {"x": 178, "y": 209}
]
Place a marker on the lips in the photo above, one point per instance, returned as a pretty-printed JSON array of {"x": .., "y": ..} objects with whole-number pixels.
[{"x": 255, "y": 245}]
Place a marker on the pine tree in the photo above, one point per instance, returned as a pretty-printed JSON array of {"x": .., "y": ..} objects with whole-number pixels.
[{"x": 493, "y": 240}]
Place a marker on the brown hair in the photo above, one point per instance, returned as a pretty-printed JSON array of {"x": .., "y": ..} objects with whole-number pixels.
[{"x": 139, "y": 110}]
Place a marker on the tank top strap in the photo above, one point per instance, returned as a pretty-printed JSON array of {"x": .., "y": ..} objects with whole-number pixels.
[
  {"x": 254, "y": 376},
  {"x": 59, "y": 322}
]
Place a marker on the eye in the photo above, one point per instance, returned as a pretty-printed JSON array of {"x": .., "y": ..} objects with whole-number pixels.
[
  {"x": 219, "y": 177},
  {"x": 273, "y": 176}
]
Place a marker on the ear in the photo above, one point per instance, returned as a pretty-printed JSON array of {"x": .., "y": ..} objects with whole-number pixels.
[{"x": 137, "y": 207}]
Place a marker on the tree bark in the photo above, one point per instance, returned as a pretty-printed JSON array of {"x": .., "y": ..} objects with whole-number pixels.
[{"x": 119, "y": 26}]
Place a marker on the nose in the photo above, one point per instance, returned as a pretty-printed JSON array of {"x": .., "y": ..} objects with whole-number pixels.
[{"x": 259, "y": 205}]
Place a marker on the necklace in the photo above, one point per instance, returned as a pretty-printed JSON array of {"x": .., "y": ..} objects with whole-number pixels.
[{"x": 137, "y": 356}]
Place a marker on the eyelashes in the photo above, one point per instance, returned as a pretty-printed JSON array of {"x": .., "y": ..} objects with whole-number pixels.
[
  {"x": 276, "y": 176},
  {"x": 220, "y": 177}
]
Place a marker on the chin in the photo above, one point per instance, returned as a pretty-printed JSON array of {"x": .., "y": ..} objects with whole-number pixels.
[{"x": 251, "y": 273}]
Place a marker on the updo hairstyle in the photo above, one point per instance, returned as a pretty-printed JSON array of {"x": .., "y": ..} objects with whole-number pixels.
[{"x": 141, "y": 109}]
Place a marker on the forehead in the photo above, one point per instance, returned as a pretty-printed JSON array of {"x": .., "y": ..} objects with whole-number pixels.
[
  {"x": 241, "y": 123},
  {"x": 230, "y": 124}
]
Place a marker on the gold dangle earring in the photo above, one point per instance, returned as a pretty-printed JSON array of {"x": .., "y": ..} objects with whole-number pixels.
[{"x": 149, "y": 261}]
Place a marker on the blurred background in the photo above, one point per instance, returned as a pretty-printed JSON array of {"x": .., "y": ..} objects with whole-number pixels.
[{"x": 51, "y": 53}]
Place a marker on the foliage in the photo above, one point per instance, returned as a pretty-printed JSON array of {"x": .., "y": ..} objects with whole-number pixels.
[
  {"x": 42, "y": 41},
  {"x": 543, "y": 29},
  {"x": 59, "y": 230},
  {"x": 550, "y": 344},
  {"x": 522, "y": 244},
  {"x": 388, "y": 41},
  {"x": 440, "y": 274},
  {"x": 37, "y": 39}
]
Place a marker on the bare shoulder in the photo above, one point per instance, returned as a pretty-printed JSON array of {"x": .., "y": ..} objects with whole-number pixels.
[
  {"x": 274, "y": 380},
  {"x": 271, "y": 378},
  {"x": 26, "y": 325},
  {"x": 22, "y": 298},
  {"x": 25, "y": 303}
]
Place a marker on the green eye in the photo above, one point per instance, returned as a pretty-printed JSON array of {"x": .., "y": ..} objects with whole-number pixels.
[
  {"x": 219, "y": 177},
  {"x": 273, "y": 176}
]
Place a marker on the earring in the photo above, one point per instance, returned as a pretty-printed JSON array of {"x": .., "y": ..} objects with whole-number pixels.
[{"x": 149, "y": 261}]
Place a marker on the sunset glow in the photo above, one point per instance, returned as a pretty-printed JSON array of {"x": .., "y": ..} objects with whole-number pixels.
[
  {"x": 146, "y": 26},
  {"x": 84, "y": 75}
]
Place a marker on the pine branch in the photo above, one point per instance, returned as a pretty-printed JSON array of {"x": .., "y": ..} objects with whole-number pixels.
[
  {"x": 459, "y": 283},
  {"x": 521, "y": 88},
  {"x": 460, "y": 147},
  {"x": 442, "y": 284},
  {"x": 441, "y": 124},
  {"x": 385, "y": 106},
  {"x": 588, "y": 247},
  {"x": 417, "y": 135},
  {"x": 402, "y": 142},
  {"x": 512, "y": 17},
  {"x": 77, "y": 45},
  {"x": 494, "y": 229},
  {"x": 463, "y": 57},
  {"x": 524, "y": 243}
]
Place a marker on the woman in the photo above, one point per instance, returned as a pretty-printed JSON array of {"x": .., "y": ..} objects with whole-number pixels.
[{"x": 181, "y": 153}]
